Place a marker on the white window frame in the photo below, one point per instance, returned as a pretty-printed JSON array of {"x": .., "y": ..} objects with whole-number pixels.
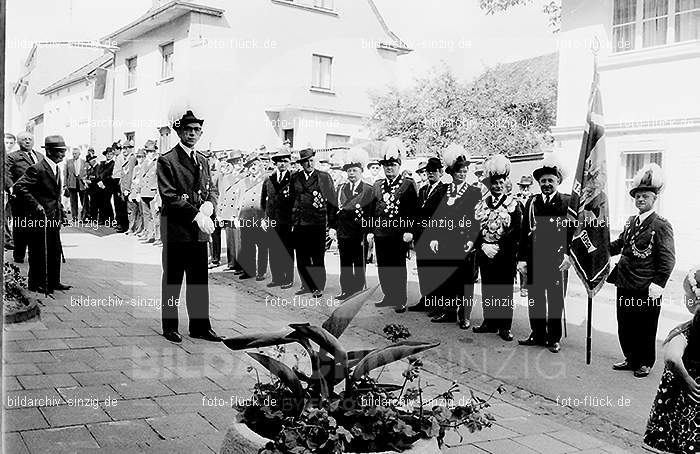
[
  {"x": 317, "y": 62},
  {"x": 167, "y": 67},
  {"x": 674, "y": 17},
  {"x": 638, "y": 24},
  {"x": 131, "y": 72}
]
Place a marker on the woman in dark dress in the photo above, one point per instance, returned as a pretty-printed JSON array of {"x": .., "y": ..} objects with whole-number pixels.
[
  {"x": 499, "y": 216},
  {"x": 674, "y": 423}
]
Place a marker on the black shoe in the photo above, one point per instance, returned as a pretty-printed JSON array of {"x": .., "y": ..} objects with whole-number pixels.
[
  {"x": 642, "y": 371},
  {"x": 60, "y": 286},
  {"x": 317, "y": 294},
  {"x": 383, "y": 303},
  {"x": 505, "y": 334},
  {"x": 443, "y": 318},
  {"x": 273, "y": 284},
  {"x": 173, "y": 336},
  {"x": 400, "y": 309},
  {"x": 244, "y": 276},
  {"x": 554, "y": 347},
  {"x": 236, "y": 272},
  {"x": 302, "y": 291},
  {"x": 18, "y": 260},
  {"x": 531, "y": 341},
  {"x": 418, "y": 307},
  {"x": 484, "y": 328},
  {"x": 208, "y": 335},
  {"x": 287, "y": 285},
  {"x": 260, "y": 278},
  {"x": 40, "y": 290},
  {"x": 343, "y": 296},
  {"x": 623, "y": 365},
  {"x": 464, "y": 324}
]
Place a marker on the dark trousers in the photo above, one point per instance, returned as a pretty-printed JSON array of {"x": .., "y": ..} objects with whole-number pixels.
[
  {"x": 75, "y": 195},
  {"x": 455, "y": 295},
  {"x": 20, "y": 235},
  {"x": 253, "y": 253},
  {"x": 545, "y": 306},
  {"x": 9, "y": 240},
  {"x": 87, "y": 205},
  {"x": 231, "y": 256},
  {"x": 391, "y": 268},
  {"x": 497, "y": 277},
  {"x": 310, "y": 247},
  {"x": 216, "y": 243},
  {"x": 637, "y": 322},
  {"x": 180, "y": 259},
  {"x": 105, "y": 214},
  {"x": 120, "y": 206},
  {"x": 43, "y": 254},
  {"x": 281, "y": 254},
  {"x": 352, "y": 264},
  {"x": 430, "y": 276}
]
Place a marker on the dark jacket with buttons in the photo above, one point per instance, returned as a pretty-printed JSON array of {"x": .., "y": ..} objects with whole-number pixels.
[
  {"x": 313, "y": 198},
  {"x": 394, "y": 207},
  {"x": 276, "y": 198},
  {"x": 354, "y": 210}
]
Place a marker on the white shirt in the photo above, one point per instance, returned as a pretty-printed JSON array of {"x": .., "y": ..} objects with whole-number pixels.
[
  {"x": 642, "y": 217},
  {"x": 76, "y": 166},
  {"x": 308, "y": 175},
  {"x": 548, "y": 198},
  {"x": 280, "y": 175},
  {"x": 53, "y": 165},
  {"x": 188, "y": 150}
]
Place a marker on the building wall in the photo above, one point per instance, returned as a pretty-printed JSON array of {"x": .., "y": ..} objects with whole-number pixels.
[{"x": 68, "y": 112}]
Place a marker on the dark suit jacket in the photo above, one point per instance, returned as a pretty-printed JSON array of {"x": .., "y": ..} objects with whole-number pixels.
[
  {"x": 404, "y": 207},
  {"x": 17, "y": 162},
  {"x": 38, "y": 187},
  {"x": 354, "y": 210},
  {"x": 544, "y": 236},
  {"x": 454, "y": 225},
  {"x": 313, "y": 199},
  {"x": 276, "y": 198},
  {"x": 427, "y": 206},
  {"x": 184, "y": 186},
  {"x": 70, "y": 179},
  {"x": 648, "y": 254},
  {"x": 104, "y": 173}
]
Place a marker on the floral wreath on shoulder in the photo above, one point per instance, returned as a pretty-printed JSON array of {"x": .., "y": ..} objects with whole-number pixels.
[{"x": 495, "y": 221}]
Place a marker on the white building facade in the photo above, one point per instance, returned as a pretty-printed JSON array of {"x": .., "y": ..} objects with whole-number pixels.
[{"x": 649, "y": 66}]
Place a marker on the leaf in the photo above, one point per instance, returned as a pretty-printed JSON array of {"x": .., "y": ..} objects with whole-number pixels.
[
  {"x": 258, "y": 340},
  {"x": 388, "y": 355},
  {"x": 286, "y": 375},
  {"x": 343, "y": 315},
  {"x": 327, "y": 342},
  {"x": 356, "y": 356}
]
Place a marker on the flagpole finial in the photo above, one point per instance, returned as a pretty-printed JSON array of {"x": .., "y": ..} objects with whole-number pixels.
[{"x": 595, "y": 45}]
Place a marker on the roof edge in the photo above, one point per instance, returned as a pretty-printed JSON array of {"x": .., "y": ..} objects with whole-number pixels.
[
  {"x": 59, "y": 85},
  {"x": 398, "y": 44}
]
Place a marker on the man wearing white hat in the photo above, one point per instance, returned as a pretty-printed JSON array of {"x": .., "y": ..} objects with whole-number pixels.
[{"x": 647, "y": 258}]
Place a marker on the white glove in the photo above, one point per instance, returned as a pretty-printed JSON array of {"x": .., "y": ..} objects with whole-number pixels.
[
  {"x": 522, "y": 267},
  {"x": 332, "y": 233},
  {"x": 370, "y": 237},
  {"x": 204, "y": 223},
  {"x": 264, "y": 224},
  {"x": 434, "y": 246},
  {"x": 468, "y": 247},
  {"x": 655, "y": 291},
  {"x": 407, "y": 237},
  {"x": 565, "y": 263},
  {"x": 207, "y": 208},
  {"x": 100, "y": 185},
  {"x": 490, "y": 250}
]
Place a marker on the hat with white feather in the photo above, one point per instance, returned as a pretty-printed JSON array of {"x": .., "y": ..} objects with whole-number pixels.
[
  {"x": 649, "y": 178},
  {"x": 356, "y": 157},
  {"x": 497, "y": 166},
  {"x": 550, "y": 165},
  {"x": 455, "y": 158},
  {"x": 392, "y": 151}
]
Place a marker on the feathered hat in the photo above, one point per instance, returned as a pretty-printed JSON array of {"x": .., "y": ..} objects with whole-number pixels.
[
  {"x": 392, "y": 151},
  {"x": 455, "y": 157},
  {"x": 356, "y": 157},
  {"x": 550, "y": 165},
  {"x": 497, "y": 166},
  {"x": 182, "y": 112},
  {"x": 649, "y": 178}
]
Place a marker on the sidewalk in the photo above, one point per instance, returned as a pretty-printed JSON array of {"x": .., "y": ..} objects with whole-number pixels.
[{"x": 102, "y": 379}]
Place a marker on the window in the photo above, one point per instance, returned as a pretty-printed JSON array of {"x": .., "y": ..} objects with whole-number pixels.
[
  {"x": 131, "y": 73},
  {"x": 687, "y": 20},
  {"x": 325, "y": 4},
  {"x": 624, "y": 16},
  {"x": 655, "y": 23},
  {"x": 321, "y": 72},
  {"x": 633, "y": 162},
  {"x": 167, "y": 51},
  {"x": 336, "y": 140}
]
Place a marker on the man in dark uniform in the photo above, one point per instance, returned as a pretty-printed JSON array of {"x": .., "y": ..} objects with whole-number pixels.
[
  {"x": 16, "y": 164},
  {"x": 105, "y": 213},
  {"x": 39, "y": 190},
  {"x": 543, "y": 256},
  {"x": 392, "y": 217},
  {"x": 313, "y": 200},
  {"x": 277, "y": 202},
  {"x": 647, "y": 258},
  {"x": 429, "y": 197},
  {"x": 188, "y": 196},
  {"x": 355, "y": 198}
]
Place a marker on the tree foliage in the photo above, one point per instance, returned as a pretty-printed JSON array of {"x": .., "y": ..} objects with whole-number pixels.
[{"x": 550, "y": 7}]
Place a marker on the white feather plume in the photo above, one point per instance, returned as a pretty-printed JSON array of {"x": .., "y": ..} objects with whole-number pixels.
[
  {"x": 357, "y": 155},
  {"x": 497, "y": 165},
  {"x": 452, "y": 152},
  {"x": 650, "y": 175},
  {"x": 393, "y": 148}
]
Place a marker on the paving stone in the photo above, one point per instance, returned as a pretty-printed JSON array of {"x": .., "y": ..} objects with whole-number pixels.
[
  {"x": 55, "y": 333},
  {"x": 11, "y": 384},
  {"x": 133, "y": 340},
  {"x": 20, "y": 369},
  {"x": 96, "y": 332},
  {"x": 493, "y": 433},
  {"x": 527, "y": 425},
  {"x": 127, "y": 351},
  {"x": 577, "y": 439},
  {"x": 46, "y": 381},
  {"x": 99, "y": 378},
  {"x": 136, "y": 331},
  {"x": 504, "y": 447},
  {"x": 64, "y": 367},
  {"x": 14, "y": 444},
  {"x": 463, "y": 449},
  {"x": 87, "y": 342},
  {"x": 86, "y": 355},
  {"x": 100, "y": 392},
  {"x": 191, "y": 385},
  {"x": 189, "y": 446},
  {"x": 112, "y": 364},
  {"x": 82, "y": 412},
  {"x": 122, "y": 434},
  {"x": 32, "y": 397},
  {"x": 545, "y": 444},
  {"x": 30, "y": 357},
  {"x": 142, "y": 388},
  {"x": 219, "y": 417},
  {"x": 181, "y": 425},
  {"x": 59, "y": 441},
  {"x": 134, "y": 409},
  {"x": 181, "y": 403},
  {"x": 23, "y": 419},
  {"x": 8, "y": 336}
]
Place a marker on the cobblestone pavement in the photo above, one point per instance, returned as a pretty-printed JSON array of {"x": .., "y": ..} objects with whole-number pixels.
[{"x": 85, "y": 379}]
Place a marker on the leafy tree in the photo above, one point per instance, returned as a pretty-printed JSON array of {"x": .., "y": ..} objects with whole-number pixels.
[{"x": 551, "y": 7}]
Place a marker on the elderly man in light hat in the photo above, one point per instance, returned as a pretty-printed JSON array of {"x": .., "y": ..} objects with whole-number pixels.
[
  {"x": 647, "y": 258},
  {"x": 253, "y": 255},
  {"x": 543, "y": 255}
]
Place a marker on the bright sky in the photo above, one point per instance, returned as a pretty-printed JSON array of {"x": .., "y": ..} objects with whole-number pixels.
[{"x": 455, "y": 32}]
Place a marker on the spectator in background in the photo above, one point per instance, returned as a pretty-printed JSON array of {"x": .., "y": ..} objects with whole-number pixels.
[
  {"x": 227, "y": 208},
  {"x": 215, "y": 242},
  {"x": 10, "y": 141},
  {"x": 74, "y": 178},
  {"x": 91, "y": 189},
  {"x": 121, "y": 161},
  {"x": 129, "y": 183},
  {"x": 103, "y": 182},
  {"x": 147, "y": 189},
  {"x": 253, "y": 254}
]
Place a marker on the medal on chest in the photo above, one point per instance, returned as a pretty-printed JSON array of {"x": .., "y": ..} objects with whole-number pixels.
[
  {"x": 319, "y": 201},
  {"x": 391, "y": 201}
]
